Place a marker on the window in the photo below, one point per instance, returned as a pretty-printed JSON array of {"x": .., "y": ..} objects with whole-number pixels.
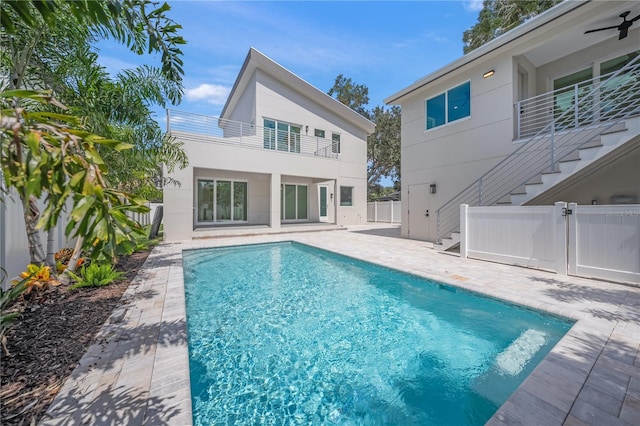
[
  {"x": 564, "y": 98},
  {"x": 619, "y": 84},
  {"x": 449, "y": 106},
  {"x": 346, "y": 195},
  {"x": 335, "y": 143},
  {"x": 221, "y": 201},
  {"x": 319, "y": 133},
  {"x": 293, "y": 202},
  {"x": 281, "y": 136}
]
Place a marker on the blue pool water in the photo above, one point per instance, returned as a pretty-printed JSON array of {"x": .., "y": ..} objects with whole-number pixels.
[{"x": 287, "y": 334}]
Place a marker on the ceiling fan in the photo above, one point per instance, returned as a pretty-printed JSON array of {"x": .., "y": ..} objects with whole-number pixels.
[{"x": 623, "y": 27}]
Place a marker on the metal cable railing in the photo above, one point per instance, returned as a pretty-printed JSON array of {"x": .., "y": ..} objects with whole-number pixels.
[
  {"x": 608, "y": 103},
  {"x": 534, "y": 113},
  {"x": 210, "y": 129}
]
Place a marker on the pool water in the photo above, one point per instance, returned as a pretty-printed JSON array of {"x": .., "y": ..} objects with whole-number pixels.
[{"x": 287, "y": 334}]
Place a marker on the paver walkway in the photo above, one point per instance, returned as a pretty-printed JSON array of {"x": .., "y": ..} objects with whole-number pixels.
[{"x": 137, "y": 371}]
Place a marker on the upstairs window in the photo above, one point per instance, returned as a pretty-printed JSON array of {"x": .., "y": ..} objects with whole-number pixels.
[
  {"x": 319, "y": 133},
  {"x": 449, "y": 106},
  {"x": 335, "y": 143},
  {"x": 281, "y": 136}
]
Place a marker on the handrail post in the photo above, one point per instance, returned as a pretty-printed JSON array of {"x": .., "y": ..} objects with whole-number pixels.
[
  {"x": 168, "y": 120},
  {"x": 575, "y": 105},
  {"x": 241, "y": 131},
  {"x": 518, "y": 123},
  {"x": 553, "y": 145}
]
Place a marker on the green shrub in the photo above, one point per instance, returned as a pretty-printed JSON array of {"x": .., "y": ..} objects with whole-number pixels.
[{"x": 95, "y": 275}]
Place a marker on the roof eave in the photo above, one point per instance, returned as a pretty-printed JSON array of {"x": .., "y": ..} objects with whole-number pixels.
[
  {"x": 506, "y": 38},
  {"x": 257, "y": 60}
]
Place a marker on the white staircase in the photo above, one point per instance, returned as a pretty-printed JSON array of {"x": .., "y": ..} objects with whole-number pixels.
[
  {"x": 608, "y": 142},
  {"x": 602, "y": 121}
]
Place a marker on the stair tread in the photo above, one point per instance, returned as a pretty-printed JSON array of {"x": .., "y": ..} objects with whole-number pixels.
[{"x": 619, "y": 127}]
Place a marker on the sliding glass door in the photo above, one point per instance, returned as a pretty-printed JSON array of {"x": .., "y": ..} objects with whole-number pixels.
[
  {"x": 230, "y": 201},
  {"x": 293, "y": 202}
]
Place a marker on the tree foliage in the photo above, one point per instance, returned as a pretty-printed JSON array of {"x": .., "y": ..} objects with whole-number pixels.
[
  {"x": 383, "y": 146},
  {"x": 383, "y": 149},
  {"x": 58, "y": 158},
  {"x": 45, "y": 155},
  {"x": 499, "y": 16},
  {"x": 355, "y": 96},
  {"x": 142, "y": 25}
]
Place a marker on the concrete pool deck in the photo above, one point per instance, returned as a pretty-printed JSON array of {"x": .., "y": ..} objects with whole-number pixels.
[{"x": 137, "y": 371}]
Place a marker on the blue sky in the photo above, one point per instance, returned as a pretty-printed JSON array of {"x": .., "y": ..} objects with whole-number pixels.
[{"x": 385, "y": 45}]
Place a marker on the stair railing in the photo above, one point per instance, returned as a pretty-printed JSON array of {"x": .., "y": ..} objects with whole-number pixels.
[{"x": 610, "y": 102}]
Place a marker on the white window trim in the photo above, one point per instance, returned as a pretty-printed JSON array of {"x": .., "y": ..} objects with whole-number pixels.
[
  {"x": 446, "y": 108},
  {"x": 215, "y": 222}
]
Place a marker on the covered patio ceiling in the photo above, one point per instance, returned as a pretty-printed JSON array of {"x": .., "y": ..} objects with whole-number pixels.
[{"x": 572, "y": 37}]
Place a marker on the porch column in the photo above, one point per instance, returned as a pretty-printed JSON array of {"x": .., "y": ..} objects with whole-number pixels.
[
  {"x": 274, "y": 220},
  {"x": 336, "y": 201}
]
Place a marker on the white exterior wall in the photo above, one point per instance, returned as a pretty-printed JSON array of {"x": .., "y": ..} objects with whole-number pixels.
[
  {"x": 277, "y": 101},
  {"x": 245, "y": 110},
  {"x": 454, "y": 155},
  {"x": 265, "y": 169}
]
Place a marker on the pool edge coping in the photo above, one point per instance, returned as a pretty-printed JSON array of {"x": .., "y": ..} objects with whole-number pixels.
[{"x": 170, "y": 386}]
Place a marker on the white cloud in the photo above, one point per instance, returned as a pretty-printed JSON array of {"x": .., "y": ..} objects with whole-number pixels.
[
  {"x": 212, "y": 93},
  {"x": 473, "y": 5}
]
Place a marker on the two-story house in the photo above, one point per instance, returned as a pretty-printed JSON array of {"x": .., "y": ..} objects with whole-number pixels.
[
  {"x": 549, "y": 111},
  {"x": 281, "y": 152}
]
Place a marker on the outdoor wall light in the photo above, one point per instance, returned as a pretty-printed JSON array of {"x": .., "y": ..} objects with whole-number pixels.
[
  {"x": 306, "y": 129},
  {"x": 432, "y": 188},
  {"x": 331, "y": 196},
  {"x": 488, "y": 74}
]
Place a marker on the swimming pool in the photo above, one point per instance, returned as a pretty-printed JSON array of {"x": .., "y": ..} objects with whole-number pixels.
[{"x": 289, "y": 334}]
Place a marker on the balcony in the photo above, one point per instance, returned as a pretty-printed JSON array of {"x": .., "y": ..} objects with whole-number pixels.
[
  {"x": 212, "y": 129},
  {"x": 583, "y": 104}
]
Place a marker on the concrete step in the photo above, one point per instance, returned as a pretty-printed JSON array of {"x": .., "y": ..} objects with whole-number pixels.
[{"x": 448, "y": 243}]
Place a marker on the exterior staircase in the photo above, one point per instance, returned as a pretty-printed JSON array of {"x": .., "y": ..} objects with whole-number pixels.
[{"x": 604, "y": 118}]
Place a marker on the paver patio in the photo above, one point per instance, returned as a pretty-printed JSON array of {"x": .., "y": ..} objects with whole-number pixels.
[{"x": 137, "y": 372}]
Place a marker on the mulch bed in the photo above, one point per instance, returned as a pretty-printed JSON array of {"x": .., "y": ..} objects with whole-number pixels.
[{"x": 46, "y": 344}]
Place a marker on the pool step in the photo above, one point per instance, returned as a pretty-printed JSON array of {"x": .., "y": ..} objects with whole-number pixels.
[{"x": 493, "y": 384}]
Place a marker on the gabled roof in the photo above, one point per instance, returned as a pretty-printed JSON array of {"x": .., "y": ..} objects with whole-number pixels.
[
  {"x": 257, "y": 60},
  {"x": 478, "y": 54}
]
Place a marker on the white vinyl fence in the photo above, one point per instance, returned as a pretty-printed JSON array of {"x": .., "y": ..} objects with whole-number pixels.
[
  {"x": 384, "y": 211},
  {"x": 14, "y": 246},
  {"x": 589, "y": 241},
  {"x": 605, "y": 242}
]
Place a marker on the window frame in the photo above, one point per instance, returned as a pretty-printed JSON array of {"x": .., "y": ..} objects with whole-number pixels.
[
  {"x": 336, "y": 144},
  {"x": 447, "y": 122},
  {"x": 350, "y": 201},
  {"x": 276, "y": 138},
  {"x": 316, "y": 131}
]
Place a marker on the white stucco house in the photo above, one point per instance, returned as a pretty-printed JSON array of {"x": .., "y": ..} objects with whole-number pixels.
[
  {"x": 549, "y": 111},
  {"x": 281, "y": 152}
]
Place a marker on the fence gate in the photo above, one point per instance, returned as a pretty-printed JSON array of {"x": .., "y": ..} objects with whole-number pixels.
[
  {"x": 600, "y": 241},
  {"x": 604, "y": 242}
]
